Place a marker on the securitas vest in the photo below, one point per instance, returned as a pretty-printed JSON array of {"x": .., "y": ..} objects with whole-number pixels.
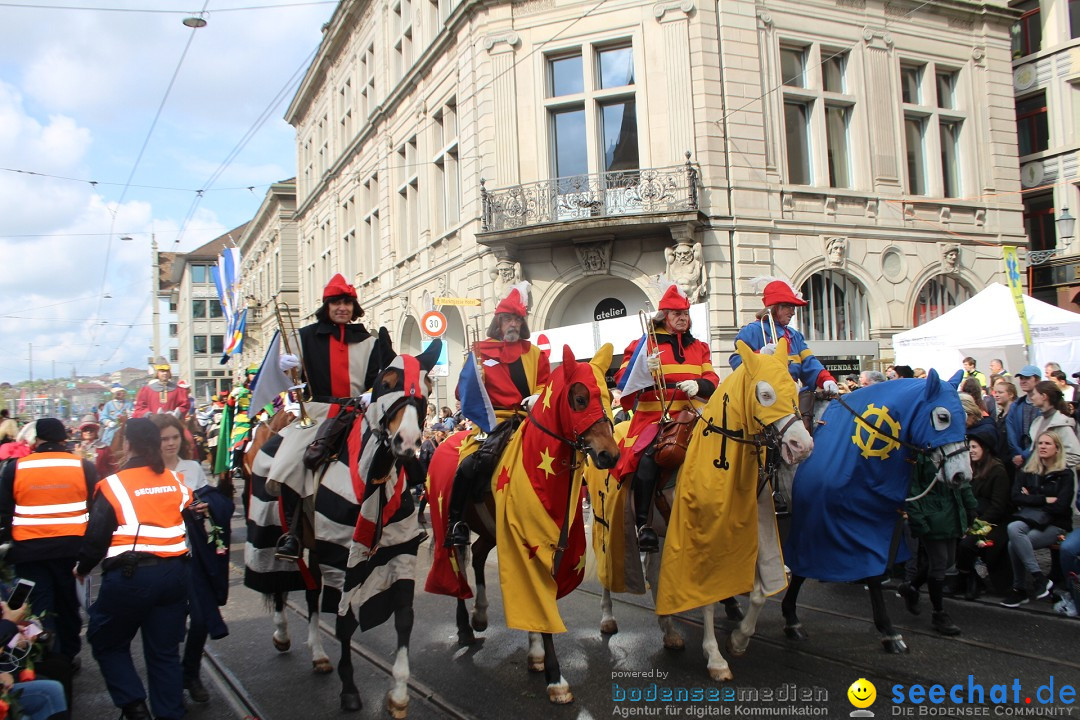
[
  {"x": 50, "y": 497},
  {"x": 147, "y": 507}
]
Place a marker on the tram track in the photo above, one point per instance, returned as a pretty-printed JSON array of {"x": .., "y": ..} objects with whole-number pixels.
[{"x": 230, "y": 687}]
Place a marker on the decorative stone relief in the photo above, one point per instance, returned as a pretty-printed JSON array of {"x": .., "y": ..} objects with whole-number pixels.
[
  {"x": 595, "y": 258},
  {"x": 403, "y": 301},
  {"x": 871, "y": 208},
  {"x": 945, "y": 214},
  {"x": 440, "y": 286},
  {"x": 835, "y": 250},
  {"x": 764, "y": 16},
  {"x": 662, "y": 8},
  {"x": 950, "y": 257},
  {"x": 893, "y": 266},
  {"x": 511, "y": 38},
  {"x": 686, "y": 266},
  {"x": 505, "y": 273},
  {"x": 830, "y": 206},
  {"x": 980, "y": 217}
]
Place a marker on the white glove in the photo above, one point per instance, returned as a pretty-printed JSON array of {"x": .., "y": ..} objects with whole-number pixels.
[
  {"x": 653, "y": 362},
  {"x": 768, "y": 349},
  {"x": 288, "y": 362},
  {"x": 528, "y": 402},
  {"x": 690, "y": 387},
  {"x": 110, "y": 424},
  {"x": 830, "y": 387}
]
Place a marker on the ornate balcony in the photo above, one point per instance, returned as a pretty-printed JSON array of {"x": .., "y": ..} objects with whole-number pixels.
[{"x": 645, "y": 191}]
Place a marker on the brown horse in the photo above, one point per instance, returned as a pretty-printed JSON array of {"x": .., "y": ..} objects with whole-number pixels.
[{"x": 576, "y": 391}]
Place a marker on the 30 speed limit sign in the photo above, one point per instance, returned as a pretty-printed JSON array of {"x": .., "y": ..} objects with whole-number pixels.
[{"x": 434, "y": 323}]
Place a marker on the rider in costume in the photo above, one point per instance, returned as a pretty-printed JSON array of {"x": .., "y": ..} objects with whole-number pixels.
[
  {"x": 688, "y": 373},
  {"x": 110, "y": 414},
  {"x": 513, "y": 370},
  {"x": 162, "y": 394},
  {"x": 341, "y": 359}
]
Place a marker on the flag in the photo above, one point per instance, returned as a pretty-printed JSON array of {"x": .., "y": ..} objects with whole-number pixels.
[
  {"x": 475, "y": 403},
  {"x": 226, "y": 281},
  {"x": 269, "y": 382},
  {"x": 236, "y": 337},
  {"x": 637, "y": 375},
  {"x": 1012, "y": 271}
]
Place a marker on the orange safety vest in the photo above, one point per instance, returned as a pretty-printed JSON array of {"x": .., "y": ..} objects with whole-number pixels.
[
  {"x": 147, "y": 507},
  {"x": 50, "y": 497}
]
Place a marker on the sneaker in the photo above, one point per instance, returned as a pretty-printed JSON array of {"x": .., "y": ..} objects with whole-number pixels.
[
  {"x": 196, "y": 690},
  {"x": 910, "y": 596},
  {"x": 1042, "y": 586},
  {"x": 1066, "y": 606},
  {"x": 1015, "y": 598}
]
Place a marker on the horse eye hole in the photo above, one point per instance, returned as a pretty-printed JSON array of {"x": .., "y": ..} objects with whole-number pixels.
[
  {"x": 766, "y": 395},
  {"x": 941, "y": 418}
]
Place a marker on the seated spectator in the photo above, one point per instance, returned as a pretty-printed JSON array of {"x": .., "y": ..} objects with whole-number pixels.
[
  {"x": 1070, "y": 566},
  {"x": 1054, "y": 417},
  {"x": 1043, "y": 490},
  {"x": 446, "y": 420},
  {"x": 992, "y": 489}
]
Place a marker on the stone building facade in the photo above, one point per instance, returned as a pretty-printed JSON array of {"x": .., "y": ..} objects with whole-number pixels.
[{"x": 866, "y": 150}]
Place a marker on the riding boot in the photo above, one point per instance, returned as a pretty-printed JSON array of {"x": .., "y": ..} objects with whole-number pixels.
[
  {"x": 288, "y": 545},
  {"x": 644, "y": 488},
  {"x": 457, "y": 531}
]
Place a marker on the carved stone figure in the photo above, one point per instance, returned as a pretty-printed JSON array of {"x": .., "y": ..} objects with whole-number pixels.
[
  {"x": 594, "y": 257},
  {"x": 686, "y": 266},
  {"x": 505, "y": 273},
  {"x": 835, "y": 250},
  {"x": 950, "y": 257}
]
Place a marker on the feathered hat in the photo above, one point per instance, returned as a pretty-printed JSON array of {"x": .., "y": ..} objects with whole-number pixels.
[
  {"x": 516, "y": 300},
  {"x": 777, "y": 290}
]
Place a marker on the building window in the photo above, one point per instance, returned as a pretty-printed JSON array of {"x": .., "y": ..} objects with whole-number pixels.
[
  {"x": 591, "y": 93},
  {"x": 173, "y": 329},
  {"x": 1039, "y": 221},
  {"x": 1032, "y": 128},
  {"x": 367, "y": 81},
  {"x": 406, "y": 220},
  {"x": 818, "y": 111},
  {"x": 933, "y": 129},
  {"x": 837, "y": 308},
  {"x": 447, "y": 167},
  {"x": 198, "y": 308},
  {"x": 172, "y": 307},
  {"x": 1027, "y": 31},
  {"x": 215, "y": 308},
  {"x": 198, "y": 274},
  {"x": 369, "y": 228},
  {"x": 402, "y": 26},
  {"x": 345, "y": 109},
  {"x": 1074, "y": 19},
  {"x": 348, "y": 237},
  {"x": 174, "y": 355},
  {"x": 937, "y": 297},
  {"x": 198, "y": 344},
  {"x": 217, "y": 344}
]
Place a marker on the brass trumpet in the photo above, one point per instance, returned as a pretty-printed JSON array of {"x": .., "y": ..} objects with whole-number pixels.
[
  {"x": 305, "y": 419},
  {"x": 652, "y": 345}
]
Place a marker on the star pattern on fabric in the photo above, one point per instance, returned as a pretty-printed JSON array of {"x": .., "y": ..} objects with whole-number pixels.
[
  {"x": 532, "y": 549},
  {"x": 439, "y": 500},
  {"x": 504, "y": 479},
  {"x": 545, "y": 462},
  {"x": 580, "y": 567},
  {"x": 547, "y": 398}
]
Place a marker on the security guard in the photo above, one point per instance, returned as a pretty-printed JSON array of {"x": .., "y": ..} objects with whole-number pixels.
[
  {"x": 137, "y": 532},
  {"x": 44, "y": 499}
]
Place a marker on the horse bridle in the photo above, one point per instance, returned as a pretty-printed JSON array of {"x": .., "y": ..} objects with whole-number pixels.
[{"x": 381, "y": 431}]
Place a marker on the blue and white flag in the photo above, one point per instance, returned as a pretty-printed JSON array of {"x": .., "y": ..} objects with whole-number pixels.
[
  {"x": 637, "y": 375},
  {"x": 227, "y": 282},
  {"x": 475, "y": 403}
]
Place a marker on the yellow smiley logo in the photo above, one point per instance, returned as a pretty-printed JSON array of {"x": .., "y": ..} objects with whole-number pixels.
[{"x": 862, "y": 693}]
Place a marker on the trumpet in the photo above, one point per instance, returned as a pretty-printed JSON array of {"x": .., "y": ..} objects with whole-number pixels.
[
  {"x": 305, "y": 419},
  {"x": 772, "y": 326},
  {"x": 653, "y": 346}
]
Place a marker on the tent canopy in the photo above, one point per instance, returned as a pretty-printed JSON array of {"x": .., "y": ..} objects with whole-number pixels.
[{"x": 987, "y": 326}]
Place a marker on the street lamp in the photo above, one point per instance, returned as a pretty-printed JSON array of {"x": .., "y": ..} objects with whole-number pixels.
[{"x": 1065, "y": 224}]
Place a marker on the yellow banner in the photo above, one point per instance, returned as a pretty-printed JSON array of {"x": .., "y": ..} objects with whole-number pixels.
[
  {"x": 456, "y": 301},
  {"x": 1012, "y": 271}
]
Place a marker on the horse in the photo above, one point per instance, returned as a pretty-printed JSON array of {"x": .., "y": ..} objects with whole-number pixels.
[
  {"x": 533, "y": 512},
  {"x": 722, "y": 525},
  {"x": 365, "y": 521},
  {"x": 848, "y": 498}
]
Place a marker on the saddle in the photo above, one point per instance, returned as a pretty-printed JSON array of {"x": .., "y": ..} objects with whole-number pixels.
[
  {"x": 323, "y": 450},
  {"x": 480, "y": 465}
]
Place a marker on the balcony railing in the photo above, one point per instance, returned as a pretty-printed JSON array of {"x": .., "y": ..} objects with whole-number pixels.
[{"x": 586, "y": 197}]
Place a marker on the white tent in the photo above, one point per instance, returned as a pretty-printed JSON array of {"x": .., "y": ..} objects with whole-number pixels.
[{"x": 987, "y": 326}]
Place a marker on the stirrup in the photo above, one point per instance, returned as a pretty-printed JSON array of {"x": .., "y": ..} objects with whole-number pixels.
[{"x": 459, "y": 535}]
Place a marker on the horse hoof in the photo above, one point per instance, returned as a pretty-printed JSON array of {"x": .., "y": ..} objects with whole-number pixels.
[
  {"x": 674, "y": 642},
  {"x": 560, "y": 694},
  {"x": 732, "y": 650},
  {"x": 322, "y": 666},
  {"x": 795, "y": 632},
  {"x": 536, "y": 665},
  {"x": 721, "y": 674},
  {"x": 282, "y": 645},
  {"x": 609, "y": 627},
  {"x": 350, "y": 702},
  {"x": 479, "y": 625},
  {"x": 894, "y": 645},
  {"x": 397, "y": 710},
  {"x": 465, "y": 639}
]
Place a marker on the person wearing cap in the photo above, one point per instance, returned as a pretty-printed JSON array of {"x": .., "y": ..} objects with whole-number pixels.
[
  {"x": 137, "y": 532},
  {"x": 44, "y": 500},
  {"x": 341, "y": 359},
  {"x": 780, "y": 300},
  {"x": 91, "y": 449},
  {"x": 162, "y": 394},
  {"x": 513, "y": 370},
  {"x": 1022, "y": 414},
  {"x": 688, "y": 374},
  {"x": 113, "y": 409}
]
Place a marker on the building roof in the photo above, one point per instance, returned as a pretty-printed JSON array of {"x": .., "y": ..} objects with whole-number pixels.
[{"x": 213, "y": 248}]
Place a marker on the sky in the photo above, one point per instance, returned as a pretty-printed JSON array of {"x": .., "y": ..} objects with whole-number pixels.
[{"x": 112, "y": 118}]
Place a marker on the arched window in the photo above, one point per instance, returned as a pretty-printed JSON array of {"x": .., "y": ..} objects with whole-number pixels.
[
  {"x": 938, "y": 296},
  {"x": 837, "y": 308}
]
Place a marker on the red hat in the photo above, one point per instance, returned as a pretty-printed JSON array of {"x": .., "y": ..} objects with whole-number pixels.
[
  {"x": 513, "y": 303},
  {"x": 674, "y": 299},
  {"x": 780, "y": 291},
  {"x": 338, "y": 287}
]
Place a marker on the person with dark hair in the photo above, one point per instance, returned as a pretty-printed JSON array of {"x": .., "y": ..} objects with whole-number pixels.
[
  {"x": 904, "y": 371},
  {"x": 341, "y": 359},
  {"x": 971, "y": 372},
  {"x": 1054, "y": 416},
  {"x": 1070, "y": 391},
  {"x": 1022, "y": 414},
  {"x": 514, "y": 370},
  {"x": 136, "y": 531},
  {"x": 992, "y": 489}
]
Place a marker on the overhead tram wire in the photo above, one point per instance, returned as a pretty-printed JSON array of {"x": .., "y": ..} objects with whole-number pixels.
[
  {"x": 149, "y": 11},
  {"x": 131, "y": 176}
]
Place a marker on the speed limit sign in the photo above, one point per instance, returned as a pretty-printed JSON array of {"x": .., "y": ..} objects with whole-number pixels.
[{"x": 434, "y": 323}]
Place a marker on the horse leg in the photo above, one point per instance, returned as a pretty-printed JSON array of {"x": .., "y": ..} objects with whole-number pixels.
[
  {"x": 344, "y": 628},
  {"x": 320, "y": 661},
  {"x": 740, "y": 637},
  {"x": 282, "y": 643},
  {"x": 397, "y": 700},
  {"x": 793, "y": 629},
  {"x": 732, "y": 609},
  {"x": 480, "y": 551},
  {"x": 718, "y": 667},
  {"x": 673, "y": 640},
  {"x": 890, "y": 639},
  {"x": 557, "y": 687},
  {"x": 608, "y": 626},
  {"x": 535, "y": 656},
  {"x": 465, "y": 634}
]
